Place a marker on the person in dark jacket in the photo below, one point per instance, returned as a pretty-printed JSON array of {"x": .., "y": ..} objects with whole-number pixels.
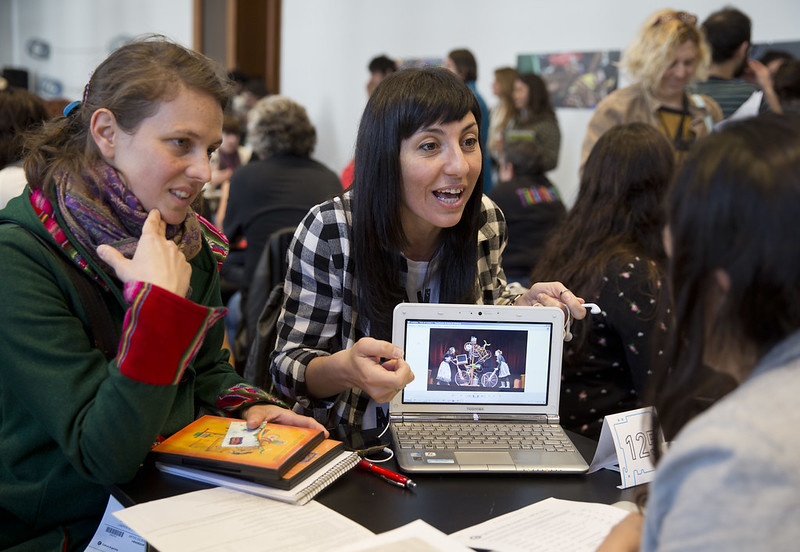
[{"x": 531, "y": 204}]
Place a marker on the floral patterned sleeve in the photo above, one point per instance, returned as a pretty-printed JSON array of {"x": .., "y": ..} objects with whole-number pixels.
[{"x": 630, "y": 300}]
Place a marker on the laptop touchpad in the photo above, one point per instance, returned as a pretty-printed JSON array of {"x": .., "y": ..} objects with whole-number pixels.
[{"x": 482, "y": 458}]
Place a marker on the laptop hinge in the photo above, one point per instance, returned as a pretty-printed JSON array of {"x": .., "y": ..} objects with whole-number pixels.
[{"x": 543, "y": 418}]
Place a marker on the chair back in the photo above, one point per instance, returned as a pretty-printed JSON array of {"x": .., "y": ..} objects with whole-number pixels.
[
  {"x": 262, "y": 304},
  {"x": 262, "y": 225}
]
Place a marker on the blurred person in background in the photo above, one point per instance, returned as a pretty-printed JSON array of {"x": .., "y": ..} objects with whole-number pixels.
[
  {"x": 20, "y": 111},
  {"x": 668, "y": 52},
  {"x": 536, "y": 119}
]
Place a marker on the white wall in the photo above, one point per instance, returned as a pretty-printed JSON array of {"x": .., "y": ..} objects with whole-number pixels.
[
  {"x": 81, "y": 33},
  {"x": 327, "y": 45}
]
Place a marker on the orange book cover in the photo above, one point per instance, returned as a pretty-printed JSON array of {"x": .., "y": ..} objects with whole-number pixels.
[{"x": 225, "y": 445}]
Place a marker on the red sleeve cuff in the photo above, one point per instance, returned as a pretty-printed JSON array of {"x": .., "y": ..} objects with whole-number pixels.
[{"x": 161, "y": 334}]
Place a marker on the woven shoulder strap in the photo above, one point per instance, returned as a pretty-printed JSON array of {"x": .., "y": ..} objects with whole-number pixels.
[{"x": 102, "y": 328}]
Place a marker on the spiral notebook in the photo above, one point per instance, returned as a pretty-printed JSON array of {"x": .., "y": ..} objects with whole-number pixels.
[{"x": 303, "y": 492}]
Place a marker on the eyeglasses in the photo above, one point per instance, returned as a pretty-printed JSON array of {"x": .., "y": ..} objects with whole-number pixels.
[{"x": 684, "y": 17}]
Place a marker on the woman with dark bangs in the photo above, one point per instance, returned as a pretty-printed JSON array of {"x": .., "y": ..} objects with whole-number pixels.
[{"x": 415, "y": 226}]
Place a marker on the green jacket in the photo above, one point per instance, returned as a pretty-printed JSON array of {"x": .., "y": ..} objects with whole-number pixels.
[{"x": 71, "y": 422}]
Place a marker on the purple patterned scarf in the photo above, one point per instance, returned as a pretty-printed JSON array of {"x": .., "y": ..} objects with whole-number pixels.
[{"x": 100, "y": 209}]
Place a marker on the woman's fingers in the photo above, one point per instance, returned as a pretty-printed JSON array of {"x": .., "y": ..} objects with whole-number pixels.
[{"x": 157, "y": 261}]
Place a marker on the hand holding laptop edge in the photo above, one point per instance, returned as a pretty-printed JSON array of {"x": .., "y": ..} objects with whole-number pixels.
[
  {"x": 375, "y": 366},
  {"x": 553, "y": 294}
]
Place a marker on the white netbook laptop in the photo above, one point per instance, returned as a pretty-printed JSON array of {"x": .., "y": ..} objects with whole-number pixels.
[{"x": 486, "y": 390}]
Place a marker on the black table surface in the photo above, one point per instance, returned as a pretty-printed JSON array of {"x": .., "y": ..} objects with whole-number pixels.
[{"x": 449, "y": 502}]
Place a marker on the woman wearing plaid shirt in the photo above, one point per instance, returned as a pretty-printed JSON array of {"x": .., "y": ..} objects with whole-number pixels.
[{"x": 403, "y": 232}]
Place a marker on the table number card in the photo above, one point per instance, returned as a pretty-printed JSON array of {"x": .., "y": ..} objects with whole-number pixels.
[{"x": 627, "y": 441}]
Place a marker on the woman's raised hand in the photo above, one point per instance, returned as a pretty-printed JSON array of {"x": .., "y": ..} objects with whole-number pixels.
[
  {"x": 378, "y": 368},
  {"x": 553, "y": 294},
  {"x": 157, "y": 260}
]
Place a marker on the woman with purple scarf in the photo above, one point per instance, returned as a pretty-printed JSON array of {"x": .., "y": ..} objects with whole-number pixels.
[{"x": 110, "y": 331}]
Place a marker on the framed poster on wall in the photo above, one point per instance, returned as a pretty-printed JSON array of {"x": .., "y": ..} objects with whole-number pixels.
[{"x": 574, "y": 79}]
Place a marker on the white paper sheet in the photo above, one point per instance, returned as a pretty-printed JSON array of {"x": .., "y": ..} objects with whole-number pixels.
[
  {"x": 552, "y": 525},
  {"x": 416, "y": 536},
  {"x": 749, "y": 108},
  {"x": 222, "y": 520}
]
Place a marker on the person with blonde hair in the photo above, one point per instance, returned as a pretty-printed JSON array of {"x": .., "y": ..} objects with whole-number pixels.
[
  {"x": 503, "y": 111},
  {"x": 667, "y": 53}
]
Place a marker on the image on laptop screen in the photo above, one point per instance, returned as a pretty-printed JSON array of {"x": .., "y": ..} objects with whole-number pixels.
[{"x": 469, "y": 362}]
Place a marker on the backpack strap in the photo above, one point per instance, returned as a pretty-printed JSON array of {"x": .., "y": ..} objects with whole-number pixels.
[{"x": 102, "y": 328}]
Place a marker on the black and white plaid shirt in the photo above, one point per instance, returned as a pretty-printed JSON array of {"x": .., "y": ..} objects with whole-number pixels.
[{"x": 318, "y": 316}]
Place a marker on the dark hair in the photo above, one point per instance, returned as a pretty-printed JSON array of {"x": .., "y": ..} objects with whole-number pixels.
[
  {"x": 524, "y": 155},
  {"x": 238, "y": 76},
  {"x": 725, "y": 31},
  {"x": 617, "y": 213},
  {"x": 231, "y": 125},
  {"x": 539, "y": 105},
  {"x": 732, "y": 207},
  {"x": 771, "y": 55},
  {"x": 787, "y": 82},
  {"x": 257, "y": 87},
  {"x": 131, "y": 82},
  {"x": 20, "y": 111},
  {"x": 465, "y": 64},
  {"x": 403, "y": 103},
  {"x": 382, "y": 65}
]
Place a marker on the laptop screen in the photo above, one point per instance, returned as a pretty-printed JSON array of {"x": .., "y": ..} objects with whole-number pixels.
[{"x": 461, "y": 362}]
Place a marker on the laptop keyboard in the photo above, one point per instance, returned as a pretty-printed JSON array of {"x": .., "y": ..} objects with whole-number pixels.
[{"x": 481, "y": 436}]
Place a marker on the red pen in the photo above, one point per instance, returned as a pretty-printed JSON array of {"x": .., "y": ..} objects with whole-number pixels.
[{"x": 386, "y": 475}]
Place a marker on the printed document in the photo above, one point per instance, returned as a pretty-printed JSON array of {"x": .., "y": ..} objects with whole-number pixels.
[{"x": 552, "y": 525}]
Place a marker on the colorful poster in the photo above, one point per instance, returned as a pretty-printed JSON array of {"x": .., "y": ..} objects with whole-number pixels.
[
  {"x": 416, "y": 63},
  {"x": 574, "y": 79}
]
